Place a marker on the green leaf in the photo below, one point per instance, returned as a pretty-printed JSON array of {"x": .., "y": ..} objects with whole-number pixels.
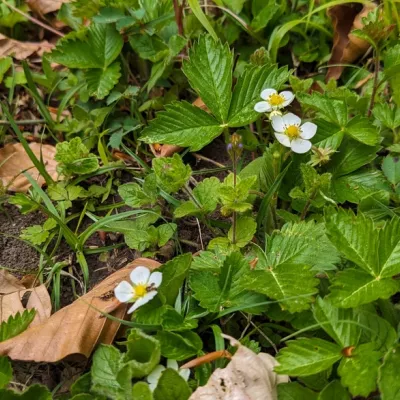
[
  {"x": 187, "y": 208},
  {"x": 248, "y": 89},
  {"x": 304, "y": 357},
  {"x": 353, "y": 287},
  {"x": 264, "y": 15},
  {"x": 75, "y": 158},
  {"x": 94, "y": 47},
  {"x": 109, "y": 377},
  {"x": 387, "y": 115},
  {"x": 209, "y": 70},
  {"x": 388, "y": 381},
  {"x": 34, "y": 234},
  {"x": 337, "y": 323},
  {"x": 361, "y": 129},
  {"x": 143, "y": 353},
  {"x": 179, "y": 346},
  {"x": 37, "y": 392},
  {"x": 245, "y": 229},
  {"x": 174, "y": 273},
  {"x": 16, "y": 324},
  {"x": 6, "y": 372},
  {"x": 198, "y": 12},
  {"x": 82, "y": 384},
  {"x": 392, "y": 62},
  {"x": 294, "y": 391},
  {"x": 149, "y": 47},
  {"x": 184, "y": 125},
  {"x": 359, "y": 372},
  {"x": 391, "y": 169},
  {"x": 101, "y": 81},
  {"x": 172, "y": 321},
  {"x": 165, "y": 233},
  {"x": 141, "y": 391},
  {"x": 171, "y": 173},
  {"x": 334, "y": 390},
  {"x": 171, "y": 386},
  {"x": 137, "y": 196},
  {"x": 5, "y": 64}
]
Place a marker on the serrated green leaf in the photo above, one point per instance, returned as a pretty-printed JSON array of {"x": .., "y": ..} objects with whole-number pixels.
[
  {"x": 334, "y": 390},
  {"x": 294, "y": 391},
  {"x": 245, "y": 229},
  {"x": 359, "y": 372},
  {"x": 187, "y": 208},
  {"x": 248, "y": 89},
  {"x": 149, "y": 47},
  {"x": 35, "y": 234},
  {"x": 6, "y": 372},
  {"x": 16, "y": 324},
  {"x": 361, "y": 129},
  {"x": 354, "y": 287},
  {"x": 172, "y": 321},
  {"x": 392, "y": 62},
  {"x": 184, "y": 125},
  {"x": 137, "y": 196},
  {"x": 101, "y": 81},
  {"x": 209, "y": 70},
  {"x": 95, "y": 47},
  {"x": 165, "y": 233},
  {"x": 388, "y": 380},
  {"x": 387, "y": 115},
  {"x": 391, "y": 169},
  {"x": 37, "y": 392},
  {"x": 171, "y": 386},
  {"x": 304, "y": 357},
  {"x": 141, "y": 391},
  {"x": 179, "y": 346}
]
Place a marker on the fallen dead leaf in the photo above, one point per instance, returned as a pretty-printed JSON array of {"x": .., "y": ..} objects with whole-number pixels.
[
  {"x": 248, "y": 376},
  {"x": 22, "y": 50},
  {"x": 347, "y": 48},
  {"x": 77, "y": 328},
  {"x": 14, "y": 160},
  {"x": 167, "y": 150},
  {"x": 9, "y": 283},
  {"x": 45, "y": 6}
]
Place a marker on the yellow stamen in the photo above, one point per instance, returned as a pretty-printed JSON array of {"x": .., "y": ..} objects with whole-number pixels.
[
  {"x": 140, "y": 291},
  {"x": 276, "y": 99},
  {"x": 293, "y": 131}
]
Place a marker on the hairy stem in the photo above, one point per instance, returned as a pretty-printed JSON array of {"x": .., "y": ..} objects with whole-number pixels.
[{"x": 234, "y": 216}]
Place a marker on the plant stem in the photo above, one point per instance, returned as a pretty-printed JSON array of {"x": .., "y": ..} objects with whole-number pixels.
[
  {"x": 24, "y": 122},
  {"x": 178, "y": 9},
  {"x": 234, "y": 216},
  {"x": 191, "y": 196},
  {"x": 375, "y": 87},
  {"x": 307, "y": 206}
]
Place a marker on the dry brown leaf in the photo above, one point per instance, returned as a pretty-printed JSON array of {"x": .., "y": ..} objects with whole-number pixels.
[
  {"x": 248, "y": 376},
  {"x": 9, "y": 283},
  {"x": 45, "y": 6},
  {"x": 14, "y": 160},
  {"x": 168, "y": 150},
  {"x": 22, "y": 50},
  {"x": 77, "y": 328},
  {"x": 347, "y": 48}
]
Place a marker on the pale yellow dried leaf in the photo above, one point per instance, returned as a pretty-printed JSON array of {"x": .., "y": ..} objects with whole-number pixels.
[
  {"x": 45, "y": 6},
  {"x": 22, "y": 50}
]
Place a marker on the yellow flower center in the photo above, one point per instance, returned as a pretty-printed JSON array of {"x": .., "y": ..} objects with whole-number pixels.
[
  {"x": 293, "y": 131},
  {"x": 140, "y": 291},
  {"x": 276, "y": 99}
]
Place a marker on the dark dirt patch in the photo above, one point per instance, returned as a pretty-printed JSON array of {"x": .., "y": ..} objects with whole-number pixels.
[{"x": 14, "y": 253}]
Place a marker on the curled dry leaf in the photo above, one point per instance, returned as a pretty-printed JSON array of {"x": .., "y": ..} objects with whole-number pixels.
[
  {"x": 16, "y": 297},
  {"x": 22, "y": 50},
  {"x": 77, "y": 328},
  {"x": 45, "y": 6},
  {"x": 248, "y": 376},
  {"x": 14, "y": 160},
  {"x": 347, "y": 48},
  {"x": 167, "y": 150}
]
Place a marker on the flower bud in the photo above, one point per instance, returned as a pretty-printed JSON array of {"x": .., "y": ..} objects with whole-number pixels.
[{"x": 235, "y": 147}]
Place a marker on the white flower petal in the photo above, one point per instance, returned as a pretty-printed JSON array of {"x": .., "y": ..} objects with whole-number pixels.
[
  {"x": 267, "y": 92},
  {"x": 308, "y": 130},
  {"x": 155, "y": 375},
  {"x": 291, "y": 119},
  {"x": 262, "y": 106},
  {"x": 173, "y": 364},
  {"x": 278, "y": 124},
  {"x": 124, "y": 292},
  {"x": 282, "y": 139},
  {"x": 289, "y": 97},
  {"x": 184, "y": 373},
  {"x": 300, "y": 146},
  {"x": 142, "y": 300},
  {"x": 140, "y": 275},
  {"x": 153, "y": 386},
  {"x": 155, "y": 279}
]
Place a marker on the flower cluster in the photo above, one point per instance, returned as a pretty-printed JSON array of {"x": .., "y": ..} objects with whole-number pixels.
[
  {"x": 288, "y": 129},
  {"x": 142, "y": 289}
]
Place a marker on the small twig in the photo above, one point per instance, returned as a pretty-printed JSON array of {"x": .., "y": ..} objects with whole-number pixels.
[
  {"x": 201, "y": 238},
  {"x": 200, "y": 157},
  {"x": 178, "y": 9},
  {"x": 24, "y": 122},
  {"x": 34, "y": 20}
]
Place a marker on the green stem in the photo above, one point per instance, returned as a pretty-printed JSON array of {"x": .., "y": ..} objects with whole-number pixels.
[
  {"x": 375, "y": 87},
  {"x": 234, "y": 215}
]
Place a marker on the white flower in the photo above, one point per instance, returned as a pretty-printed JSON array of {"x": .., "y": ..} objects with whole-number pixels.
[
  {"x": 290, "y": 132},
  {"x": 155, "y": 375},
  {"x": 273, "y": 100},
  {"x": 142, "y": 289}
]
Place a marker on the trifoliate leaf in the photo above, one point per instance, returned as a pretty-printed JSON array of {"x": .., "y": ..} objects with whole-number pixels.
[
  {"x": 248, "y": 90},
  {"x": 171, "y": 173},
  {"x": 334, "y": 390},
  {"x": 303, "y": 357},
  {"x": 35, "y": 234},
  {"x": 388, "y": 381},
  {"x": 75, "y": 158},
  {"x": 101, "y": 81},
  {"x": 184, "y": 125},
  {"x": 359, "y": 371},
  {"x": 6, "y": 372},
  {"x": 94, "y": 47},
  {"x": 209, "y": 70},
  {"x": 171, "y": 386}
]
